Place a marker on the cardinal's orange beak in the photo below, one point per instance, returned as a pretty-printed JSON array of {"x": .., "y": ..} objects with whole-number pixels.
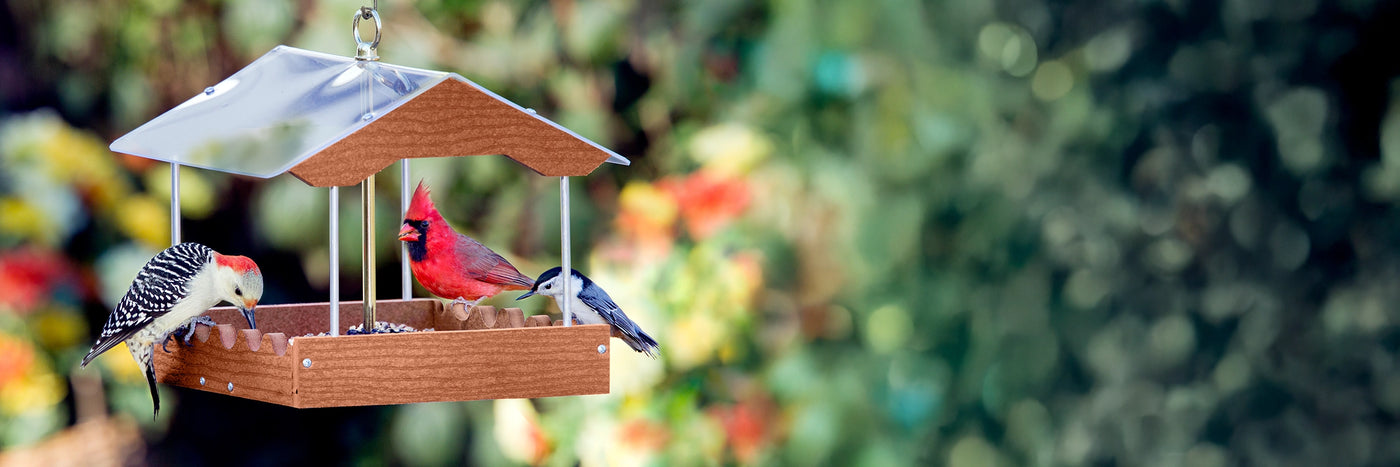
[{"x": 408, "y": 233}]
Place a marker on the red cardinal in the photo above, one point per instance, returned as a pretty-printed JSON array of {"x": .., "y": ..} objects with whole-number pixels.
[{"x": 452, "y": 265}]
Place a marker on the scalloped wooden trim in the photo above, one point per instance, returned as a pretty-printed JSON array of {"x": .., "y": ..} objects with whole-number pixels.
[{"x": 256, "y": 370}]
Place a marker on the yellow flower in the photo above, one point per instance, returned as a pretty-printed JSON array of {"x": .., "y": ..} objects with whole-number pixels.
[
  {"x": 47, "y": 150},
  {"x": 82, "y": 159},
  {"x": 646, "y": 219},
  {"x": 16, "y": 359},
  {"x": 26, "y": 382},
  {"x": 21, "y": 219},
  {"x": 693, "y": 340},
  {"x": 107, "y": 194},
  {"x": 730, "y": 148},
  {"x": 120, "y": 365},
  {"x": 646, "y": 204},
  {"x": 721, "y": 281},
  {"x": 78, "y": 156},
  {"x": 740, "y": 277},
  {"x": 36, "y": 390},
  {"x": 58, "y": 329},
  {"x": 146, "y": 220},
  {"x": 196, "y": 191}
]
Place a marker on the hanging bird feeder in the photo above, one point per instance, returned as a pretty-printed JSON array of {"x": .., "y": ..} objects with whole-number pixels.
[{"x": 335, "y": 121}]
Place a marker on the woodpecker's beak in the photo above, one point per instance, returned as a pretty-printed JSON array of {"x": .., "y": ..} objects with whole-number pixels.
[
  {"x": 248, "y": 310},
  {"x": 408, "y": 233},
  {"x": 527, "y": 294}
]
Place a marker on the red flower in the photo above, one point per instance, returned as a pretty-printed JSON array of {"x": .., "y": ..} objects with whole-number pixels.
[
  {"x": 708, "y": 201},
  {"x": 645, "y": 221},
  {"x": 747, "y": 427},
  {"x": 643, "y": 435},
  {"x": 29, "y": 276}
]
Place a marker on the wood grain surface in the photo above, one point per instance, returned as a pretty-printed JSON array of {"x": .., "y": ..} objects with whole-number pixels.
[
  {"x": 451, "y": 365},
  {"x": 453, "y": 118},
  {"x": 502, "y": 360},
  {"x": 259, "y": 375}
]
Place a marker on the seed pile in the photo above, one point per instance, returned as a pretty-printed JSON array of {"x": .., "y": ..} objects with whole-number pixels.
[{"x": 380, "y": 327}]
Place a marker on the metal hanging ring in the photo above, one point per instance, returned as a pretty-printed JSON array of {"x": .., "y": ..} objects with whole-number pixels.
[{"x": 366, "y": 50}]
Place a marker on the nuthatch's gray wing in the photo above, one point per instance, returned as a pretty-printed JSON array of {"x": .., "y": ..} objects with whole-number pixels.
[{"x": 597, "y": 299}]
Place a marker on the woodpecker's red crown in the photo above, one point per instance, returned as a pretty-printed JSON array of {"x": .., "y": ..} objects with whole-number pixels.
[
  {"x": 240, "y": 264},
  {"x": 421, "y": 207}
]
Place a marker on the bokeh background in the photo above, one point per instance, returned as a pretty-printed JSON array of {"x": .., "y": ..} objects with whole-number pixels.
[{"x": 1016, "y": 232}]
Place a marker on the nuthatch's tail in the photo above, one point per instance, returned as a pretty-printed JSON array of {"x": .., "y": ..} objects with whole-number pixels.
[{"x": 639, "y": 340}]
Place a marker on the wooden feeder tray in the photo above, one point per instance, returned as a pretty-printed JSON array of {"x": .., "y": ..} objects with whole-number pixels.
[{"x": 482, "y": 353}]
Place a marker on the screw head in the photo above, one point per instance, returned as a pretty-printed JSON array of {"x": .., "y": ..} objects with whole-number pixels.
[
  {"x": 230, "y": 386},
  {"x": 367, "y": 116},
  {"x": 201, "y": 380},
  {"x": 306, "y": 363},
  {"x": 602, "y": 349},
  {"x": 209, "y": 90},
  {"x": 530, "y": 111}
]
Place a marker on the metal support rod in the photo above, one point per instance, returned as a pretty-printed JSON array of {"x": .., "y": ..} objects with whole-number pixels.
[
  {"x": 335, "y": 261},
  {"x": 403, "y": 247},
  {"x": 566, "y": 270},
  {"x": 174, "y": 204},
  {"x": 367, "y": 250}
]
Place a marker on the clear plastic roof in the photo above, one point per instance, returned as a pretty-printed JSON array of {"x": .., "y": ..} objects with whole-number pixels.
[{"x": 281, "y": 109}]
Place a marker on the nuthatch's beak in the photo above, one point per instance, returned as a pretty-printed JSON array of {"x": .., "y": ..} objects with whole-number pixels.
[
  {"x": 247, "y": 310},
  {"x": 408, "y": 233},
  {"x": 527, "y": 294}
]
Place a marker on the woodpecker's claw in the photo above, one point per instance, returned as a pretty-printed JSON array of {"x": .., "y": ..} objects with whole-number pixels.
[
  {"x": 186, "y": 333},
  {"x": 188, "y": 330}
]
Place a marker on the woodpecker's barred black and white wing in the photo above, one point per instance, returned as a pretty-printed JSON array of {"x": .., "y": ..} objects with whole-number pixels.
[
  {"x": 162, "y": 283},
  {"x": 596, "y": 298}
]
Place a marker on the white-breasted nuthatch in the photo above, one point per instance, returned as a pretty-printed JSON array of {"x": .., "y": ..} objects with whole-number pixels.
[{"x": 592, "y": 305}]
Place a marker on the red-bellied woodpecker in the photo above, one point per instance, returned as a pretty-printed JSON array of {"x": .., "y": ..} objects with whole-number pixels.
[
  {"x": 449, "y": 264},
  {"x": 592, "y": 305},
  {"x": 170, "y": 294}
]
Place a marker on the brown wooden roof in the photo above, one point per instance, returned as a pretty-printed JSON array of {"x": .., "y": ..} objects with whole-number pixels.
[{"x": 453, "y": 118}]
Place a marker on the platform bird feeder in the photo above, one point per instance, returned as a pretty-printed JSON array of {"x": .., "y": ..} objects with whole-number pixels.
[{"x": 334, "y": 121}]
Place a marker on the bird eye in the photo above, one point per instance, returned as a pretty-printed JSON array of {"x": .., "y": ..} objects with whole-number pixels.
[
  {"x": 237, "y": 291},
  {"x": 550, "y": 286}
]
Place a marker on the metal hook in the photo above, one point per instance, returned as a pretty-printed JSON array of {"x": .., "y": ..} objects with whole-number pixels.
[{"x": 367, "y": 50}]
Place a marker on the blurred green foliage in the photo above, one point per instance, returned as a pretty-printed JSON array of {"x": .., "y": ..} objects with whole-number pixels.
[{"x": 880, "y": 233}]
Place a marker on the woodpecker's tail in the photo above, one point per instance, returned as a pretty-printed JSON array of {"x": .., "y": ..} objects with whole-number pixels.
[
  {"x": 155, "y": 396},
  {"x": 99, "y": 348}
]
